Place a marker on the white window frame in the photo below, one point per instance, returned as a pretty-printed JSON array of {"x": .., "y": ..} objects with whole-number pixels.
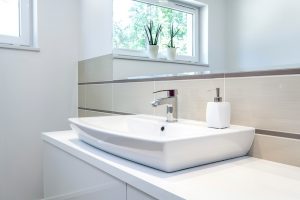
[
  {"x": 25, "y": 37},
  {"x": 184, "y": 7}
]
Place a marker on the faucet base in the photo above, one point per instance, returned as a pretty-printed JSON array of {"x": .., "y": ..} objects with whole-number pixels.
[{"x": 172, "y": 121}]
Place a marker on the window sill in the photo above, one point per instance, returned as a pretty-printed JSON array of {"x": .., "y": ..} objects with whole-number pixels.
[
  {"x": 17, "y": 47},
  {"x": 161, "y": 60}
]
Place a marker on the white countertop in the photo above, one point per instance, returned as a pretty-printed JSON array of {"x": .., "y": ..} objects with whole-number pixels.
[{"x": 244, "y": 178}]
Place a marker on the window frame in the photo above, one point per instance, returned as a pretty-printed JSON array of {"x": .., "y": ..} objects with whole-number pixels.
[
  {"x": 25, "y": 37},
  {"x": 180, "y": 6}
]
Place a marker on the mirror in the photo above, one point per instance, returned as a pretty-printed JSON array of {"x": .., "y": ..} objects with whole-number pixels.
[
  {"x": 262, "y": 35},
  {"x": 224, "y": 35}
]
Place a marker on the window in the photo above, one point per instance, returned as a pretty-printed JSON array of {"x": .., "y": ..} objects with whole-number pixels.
[
  {"x": 130, "y": 17},
  {"x": 16, "y": 22}
]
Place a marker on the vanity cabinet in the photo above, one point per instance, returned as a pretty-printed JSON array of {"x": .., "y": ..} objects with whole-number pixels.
[
  {"x": 67, "y": 177},
  {"x": 135, "y": 194}
]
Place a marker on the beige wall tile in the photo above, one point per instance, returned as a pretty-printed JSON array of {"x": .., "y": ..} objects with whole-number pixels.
[
  {"x": 81, "y": 95},
  {"x": 81, "y": 113},
  {"x": 99, "y": 96},
  {"x": 193, "y": 96},
  {"x": 96, "y": 69},
  {"x": 81, "y": 72},
  {"x": 133, "y": 97},
  {"x": 97, "y": 114},
  {"x": 277, "y": 149},
  {"x": 271, "y": 103}
]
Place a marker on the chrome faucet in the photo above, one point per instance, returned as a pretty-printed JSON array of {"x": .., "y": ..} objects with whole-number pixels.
[{"x": 170, "y": 101}]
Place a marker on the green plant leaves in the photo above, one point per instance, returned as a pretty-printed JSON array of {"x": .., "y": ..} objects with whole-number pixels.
[
  {"x": 149, "y": 29},
  {"x": 172, "y": 35}
]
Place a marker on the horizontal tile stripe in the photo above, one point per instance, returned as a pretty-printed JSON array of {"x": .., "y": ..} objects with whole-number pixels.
[
  {"x": 96, "y": 83},
  {"x": 105, "y": 111},
  {"x": 205, "y": 76},
  {"x": 159, "y": 60},
  {"x": 276, "y": 72},
  {"x": 170, "y": 78},
  {"x": 278, "y": 134}
]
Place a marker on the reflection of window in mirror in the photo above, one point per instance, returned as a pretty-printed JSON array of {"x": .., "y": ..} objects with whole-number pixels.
[{"x": 131, "y": 16}]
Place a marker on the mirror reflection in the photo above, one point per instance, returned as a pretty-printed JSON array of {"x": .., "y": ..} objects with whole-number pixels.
[{"x": 204, "y": 36}]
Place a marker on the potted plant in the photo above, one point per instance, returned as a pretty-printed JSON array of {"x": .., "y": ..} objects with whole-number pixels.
[
  {"x": 171, "y": 50},
  {"x": 153, "y": 41}
]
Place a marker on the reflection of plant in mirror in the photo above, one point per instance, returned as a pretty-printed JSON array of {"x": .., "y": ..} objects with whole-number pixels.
[
  {"x": 129, "y": 21},
  {"x": 172, "y": 35},
  {"x": 149, "y": 29}
]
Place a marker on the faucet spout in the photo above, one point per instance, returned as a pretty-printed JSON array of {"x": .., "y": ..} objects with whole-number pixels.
[
  {"x": 163, "y": 101},
  {"x": 155, "y": 103},
  {"x": 171, "y": 102}
]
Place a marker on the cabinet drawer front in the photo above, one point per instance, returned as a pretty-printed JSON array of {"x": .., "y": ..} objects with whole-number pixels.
[{"x": 67, "y": 177}]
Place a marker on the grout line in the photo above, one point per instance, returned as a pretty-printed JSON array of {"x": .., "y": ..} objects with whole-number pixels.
[
  {"x": 94, "y": 83},
  {"x": 278, "y": 134},
  {"x": 105, "y": 111},
  {"x": 224, "y": 87}
]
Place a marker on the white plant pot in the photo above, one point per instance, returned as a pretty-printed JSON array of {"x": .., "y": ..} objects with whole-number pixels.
[
  {"x": 171, "y": 53},
  {"x": 153, "y": 51}
]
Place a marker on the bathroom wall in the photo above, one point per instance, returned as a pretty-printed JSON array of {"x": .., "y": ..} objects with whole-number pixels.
[
  {"x": 268, "y": 101},
  {"x": 96, "y": 28},
  {"x": 262, "y": 34},
  {"x": 38, "y": 93}
]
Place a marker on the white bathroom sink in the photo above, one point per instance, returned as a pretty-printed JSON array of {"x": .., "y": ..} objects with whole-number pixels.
[{"x": 169, "y": 147}]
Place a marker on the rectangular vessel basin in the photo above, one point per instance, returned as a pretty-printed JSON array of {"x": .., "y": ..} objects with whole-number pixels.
[{"x": 169, "y": 147}]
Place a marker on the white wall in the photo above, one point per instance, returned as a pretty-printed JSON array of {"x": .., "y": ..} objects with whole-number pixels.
[
  {"x": 263, "y": 34},
  {"x": 96, "y": 28},
  {"x": 38, "y": 92},
  {"x": 216, "y": 34},
  {"x": 96, "y": 33}
]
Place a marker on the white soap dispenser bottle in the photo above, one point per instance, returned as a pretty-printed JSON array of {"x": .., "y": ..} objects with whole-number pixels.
[{"x": 218, "y": 113}]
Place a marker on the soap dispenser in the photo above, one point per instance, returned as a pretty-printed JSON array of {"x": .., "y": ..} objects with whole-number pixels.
[{"x": 218, "y": 112}]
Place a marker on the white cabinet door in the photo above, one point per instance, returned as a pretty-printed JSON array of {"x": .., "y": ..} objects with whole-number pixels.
[
  {"x": 135, "y": 194},
  {"x": 69, "y": 178}
]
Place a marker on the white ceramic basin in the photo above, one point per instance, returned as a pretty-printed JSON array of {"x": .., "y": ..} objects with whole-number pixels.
[{"x": 169, "y": 147}]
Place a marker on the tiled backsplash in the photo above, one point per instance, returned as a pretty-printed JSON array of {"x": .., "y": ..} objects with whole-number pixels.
[
  {"x": 277, "y": 149},
  {"x": 270, "y": 103},
  {"x": 264, "y": 102},
  {"x": 96, "y": 69}
]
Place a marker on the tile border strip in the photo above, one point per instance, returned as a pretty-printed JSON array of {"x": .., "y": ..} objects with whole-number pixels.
[
  {"x": 277, "y": 72},
  {"x": 257, "y": 131},
  {"x": 170, "y": 78},
  {"x": 98, "y": 82},
  {"x": 104, "y": 111},
  {"x": 278, "y": 134},
  {"x": 159, "y": 60}
]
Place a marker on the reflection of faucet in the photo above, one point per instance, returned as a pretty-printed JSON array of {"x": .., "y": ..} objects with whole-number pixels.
[{"x": 170, "y": 101}]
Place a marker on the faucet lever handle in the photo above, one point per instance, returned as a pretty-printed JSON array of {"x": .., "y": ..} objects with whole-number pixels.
[{"x": 171, "y": 92}]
